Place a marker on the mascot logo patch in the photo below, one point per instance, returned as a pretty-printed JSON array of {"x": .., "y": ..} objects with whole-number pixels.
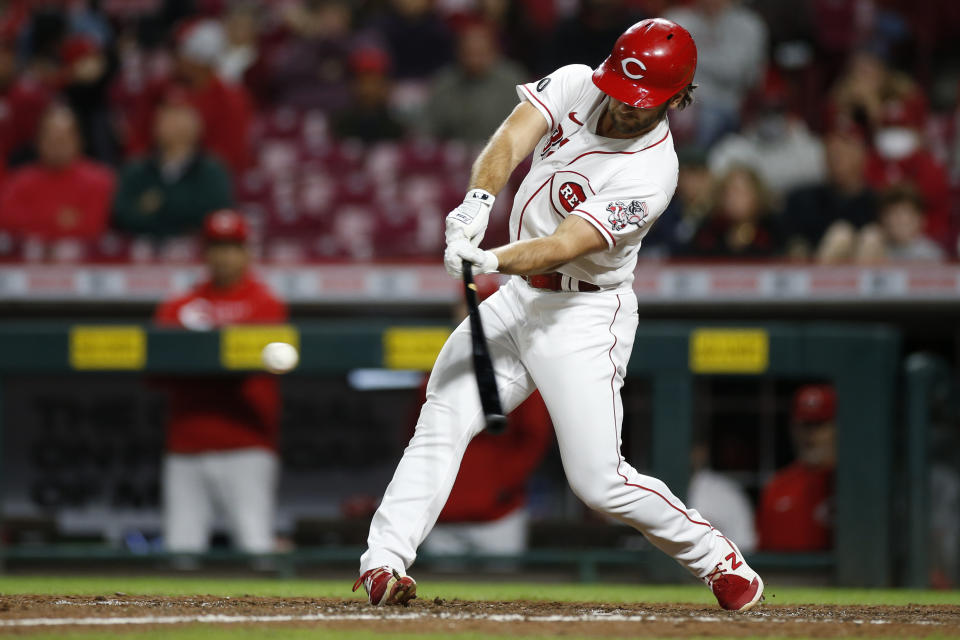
[
  {"x": 571, "y": 196},
  {"x": 621, "y": 215}
]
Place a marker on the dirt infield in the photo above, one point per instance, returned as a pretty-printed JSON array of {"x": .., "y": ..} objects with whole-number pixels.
[{"x": 27, "y": 614}]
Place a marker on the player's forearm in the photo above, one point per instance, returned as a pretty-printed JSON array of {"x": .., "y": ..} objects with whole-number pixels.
[
  {"x": 510, "y": 144},
  {"x": 573, "y": 238},
  {"x": 530, "y": 257},
  {"x": 495, "y": 163}
]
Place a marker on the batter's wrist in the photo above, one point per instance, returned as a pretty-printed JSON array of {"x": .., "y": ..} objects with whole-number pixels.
[{"x": 480, "y": 195}]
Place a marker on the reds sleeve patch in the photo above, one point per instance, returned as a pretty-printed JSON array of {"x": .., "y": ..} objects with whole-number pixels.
[
  {"x": 570, "y": 195},
  {"x": 569, "y": 190}
]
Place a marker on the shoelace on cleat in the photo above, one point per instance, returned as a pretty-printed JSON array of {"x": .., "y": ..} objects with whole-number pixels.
[
  {"x": 717, "y": 572},
  {"x": 369, "y": 574}
]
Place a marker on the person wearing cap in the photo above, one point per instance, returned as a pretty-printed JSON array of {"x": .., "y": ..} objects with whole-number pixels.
[
  {"x": 604, "y": 169},
  {"x": 170, "y": 191},
  {"x": 796, "y": 506},
  {"x": 221, "y": 442},
  {"x": 225, "y": 110},
  {"x": 775, "y": 142},
  {"x": 369, "y": 117}
]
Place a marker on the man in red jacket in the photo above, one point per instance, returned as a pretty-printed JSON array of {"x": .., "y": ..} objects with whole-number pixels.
[
  {"x": 64, "y": 195},
  {"x": 795, "y": 511},
  {"x": 222, "y": 432}
]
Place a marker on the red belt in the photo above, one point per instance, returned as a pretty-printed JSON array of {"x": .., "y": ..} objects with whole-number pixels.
[{"x": 553, "y": 282}]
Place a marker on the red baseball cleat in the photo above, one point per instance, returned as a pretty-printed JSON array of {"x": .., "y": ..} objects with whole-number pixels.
[
  {"x": 736, "y": 586},
  {"x": 385, "y": 586}
]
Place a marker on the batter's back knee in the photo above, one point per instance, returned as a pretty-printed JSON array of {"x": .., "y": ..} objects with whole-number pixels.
[{"x": 597, "y": 492}]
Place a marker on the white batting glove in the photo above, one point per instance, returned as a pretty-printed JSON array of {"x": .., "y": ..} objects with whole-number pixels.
[
  {"x": 471, "y": 216},
  {"x": 462, "y": 249}
]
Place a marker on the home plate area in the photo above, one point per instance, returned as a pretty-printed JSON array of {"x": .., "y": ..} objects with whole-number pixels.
[{"x": 24, "y": 614}]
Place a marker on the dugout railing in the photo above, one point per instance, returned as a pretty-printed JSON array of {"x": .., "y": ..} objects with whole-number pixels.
[{"x": 861, "y": 360}]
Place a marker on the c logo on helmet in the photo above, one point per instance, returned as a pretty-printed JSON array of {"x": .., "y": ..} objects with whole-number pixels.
[{"x": 626, "y": 70}]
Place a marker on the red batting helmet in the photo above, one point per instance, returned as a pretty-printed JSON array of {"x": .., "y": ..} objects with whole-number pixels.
[{"x": 652, "y": 61}]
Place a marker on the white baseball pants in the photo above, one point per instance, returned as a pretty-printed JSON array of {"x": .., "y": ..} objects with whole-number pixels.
[
  {"x": 241, "y": 485},
  {"x": 573, "y": 347}
]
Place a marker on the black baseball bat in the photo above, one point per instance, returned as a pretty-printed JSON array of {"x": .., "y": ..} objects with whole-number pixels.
[{"x": 496, "y": 422}]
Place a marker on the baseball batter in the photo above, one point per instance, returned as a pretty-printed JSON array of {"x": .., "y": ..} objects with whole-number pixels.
[{"x": 604, "y": 168}]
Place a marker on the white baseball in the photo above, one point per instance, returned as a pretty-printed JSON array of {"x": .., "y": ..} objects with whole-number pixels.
[{"x": 279, "y": 357}]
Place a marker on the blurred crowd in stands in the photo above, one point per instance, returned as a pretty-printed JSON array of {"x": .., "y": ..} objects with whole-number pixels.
[{"x": 823, "y": 130}]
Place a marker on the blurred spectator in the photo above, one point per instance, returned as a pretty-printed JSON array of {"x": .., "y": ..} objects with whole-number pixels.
[
  {"x": 899, "y": 236},
  {"x": 721, "y": 501},
  {"x": 585, "y": 37},
  {"x": 731, "y": 55},
  {"x": 486, "y": 510},
  {"x": 691, "y": 203},
  {"x": 868, "y": 87},
  {"x": 417, "y": 39},
  {"x": 822, "y": 219},
  {"x": 741, "y": 224},
  {"x": 795, "y": 512},
  {"x": 470, "y": 99},
  {"x": 303, "y": 63},
  {"x": 87, "y": 20},
  {"x": 776, "y": 144},
  {"x": 41, "y": 36},
  {"x": 369, "y": 117},
  {"x": 222, "y": 431},
  {"x": 86, "y": 81},
  {"x": 23, "y": 99},
  {"x": 170, "y": 191},
  {"x": 241, "y": 31},
  {"x": 63, "y": 194},
  {"x": 520, "y": 27},
  {"x": 900, "y": 155},
  {"x": 224, "y": 109}
]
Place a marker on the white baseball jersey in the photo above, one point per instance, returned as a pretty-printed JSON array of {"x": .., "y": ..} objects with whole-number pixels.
[{"x": 619, "y": 186}]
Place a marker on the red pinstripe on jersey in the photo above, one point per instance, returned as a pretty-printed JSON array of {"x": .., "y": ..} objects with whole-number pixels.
[
  {"x": 626, "y": 153},
  {"x": 613, "y": 394}
]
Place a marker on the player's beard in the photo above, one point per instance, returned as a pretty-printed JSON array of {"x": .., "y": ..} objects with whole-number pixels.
[{"x": 635, "y": 122}]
